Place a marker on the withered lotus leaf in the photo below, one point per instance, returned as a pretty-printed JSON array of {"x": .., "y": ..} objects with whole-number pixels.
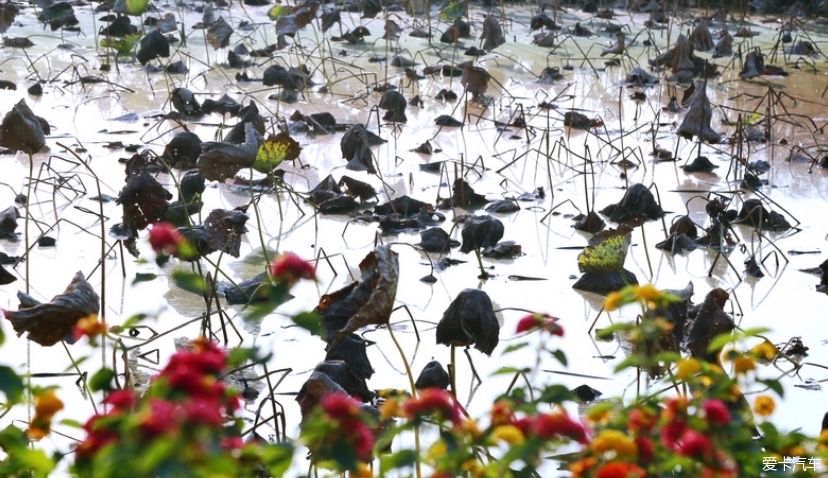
[
  {"x": 481, "y": 231},
  {"x": 492, "y": 33},
  {"x": 144, "y": 201},
  {"x": 218, "y": 34},
  {"x": 221, "y": 231},
  {"x": 637, "y": 204},
  {"x": 433, "y": 375},
  {"x": 367, "y": 302},
  {"x": 710, "y": 320},
  {"x": 220, "y": 161},
  {"x": 470, "y": 320},
  {"x": 352, "y": 350},
  {"x": 22, "y": 130},
  {"x": 344, "y": 376},
  {"x": 48, "y": 323}
]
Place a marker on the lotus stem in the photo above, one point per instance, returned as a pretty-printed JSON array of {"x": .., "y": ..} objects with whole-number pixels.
[
  {"x": 483, "y": 274},
  {"x": 453, "y": 373},
  {"x": 413, "y": 395}
]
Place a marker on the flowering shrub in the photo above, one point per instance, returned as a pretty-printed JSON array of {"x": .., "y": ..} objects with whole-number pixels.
[{"x": 185, "y": 421}]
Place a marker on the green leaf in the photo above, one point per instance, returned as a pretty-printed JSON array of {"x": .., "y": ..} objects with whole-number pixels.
[
  {"x": 240, "y": 355},
  {"x": 71, "y": 423},
  {"x": 774, "y": 385},
  {"x": 310, "y": 321},
  {"x": 514, "y": 347},
  {"x": 667, "y": 357},
  {"x": 123, "y": 45},
  {"x": 11, "y": 384},
  {"x": 452, "y": 10},
  {"x": 143, "y": 277},
  {"x": 631, "y": 361},
  {"x": 190, "y": 282},
  {"x": 607, "y": 255},
  {"x": 275, "y": 294},
  {"x": 278, "y": 11},
  {"x": 561, "y": 356},
  {"x": 136, "y": 7},
  {"x": 509, "y": 371},
  {"x": 102, "y": 380},
  {"x": 721, "y": 340},
  {"x": 396, "y": 460},
  {"x": 555, "y": 394}
]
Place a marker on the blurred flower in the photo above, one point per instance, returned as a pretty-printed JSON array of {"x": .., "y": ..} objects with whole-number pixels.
[
  {"x": 671, "y": 433},
  {"x": 164, "y": 237},
  {"x": 159, "y": 418},
  {"x": 640, "y": 420},
  {"x": 98, "y": 435},
  {"x": 580, "y": 467},
  {"x": 433, "y": 400},
  {"x": 539, "y": 321},
  {"x": 612, "y": 301},
  {"x": 743, "y": 364},
  {"x": 340, "y": 406},
  {"x": 436, "y": 451},
  {"x": 647, "y": 292},
  {"x": 617, "y": 469},
  {"x": 674, "y": 407},
  {"x": 687, "y": 368},
  {"x": 289, "y": 268},
  {"x": 551, "y": 425},
  {"x": 764, "y": 405},
  {"x": 501, "y": 413},
  {"x": 121, "y": 399},
  {"x": 715, "y": 411},
  {"x": 615, "y": 441},
  {"x": 695, "y": 444},
  {"x": 206, "y": 411},
  {"x": 231, "y": 442},
  {"x": 88, "y": 326},
  {"x": 509, "y": 434},
  {"x": 646, "y": 449},
  {"x": 47, "y": 404},
  {"x": 470, "y": 428},
  {"x": 390, "y": 409},
  {"x": 764, "y": 351}
]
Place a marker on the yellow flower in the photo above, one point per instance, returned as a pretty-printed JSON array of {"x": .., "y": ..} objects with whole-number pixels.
[
  {"x": 469, "y": 426},
  {"x": 473, "y": 466},
  {"x": 363, "y": 471},
  {"x": 578, "y": 468},
  {"x": 390, "y": 409},
  {"x": 612, "y": 301},
  {"x": 764, "y": 351},
  {"x": 686, "y": 368},
  {"x": 47, "y": 404},
  {"x": 647, "y": 292},
  {"x": 822, "y": 441},
  {"x": 509, "y": 434},
  {"x": 613, "y": 440},
  {"x": 743, "y": 364},
  {"x": 436, "y": 451},
  {"x": 598, "y": 414},
  {"x": 764, "y": 405}
]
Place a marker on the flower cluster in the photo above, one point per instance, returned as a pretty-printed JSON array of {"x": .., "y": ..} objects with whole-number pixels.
[
  {"x": 46, "y": 405},
  {"x": 351, "y": 427},
  {"x": 165, "y": 238},
  {"x": 186, "y": 408}
]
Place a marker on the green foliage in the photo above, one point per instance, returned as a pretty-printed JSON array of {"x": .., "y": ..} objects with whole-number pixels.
[
  {"x": 11, "y": 384},
  {"x": 453, "y": 9},
  {"x": 136, "y": 7},
  {"x": 190, "y": 281},
  {"x": 123, "y": 46},
  {"x": 22, "y": 461},
  {"x": 608, "y": 255}
]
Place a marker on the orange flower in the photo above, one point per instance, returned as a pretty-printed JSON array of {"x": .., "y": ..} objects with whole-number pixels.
[
  {"x": 764, "y": 405},
  {"x": 47, "y": 404},
  {"x": 617, "y": 469}
]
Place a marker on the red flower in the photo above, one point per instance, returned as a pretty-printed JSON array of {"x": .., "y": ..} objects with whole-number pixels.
[
  {"x": 617, "y": 469},
  {"x": 671, "y": 432},
  {"x": 646, "y": 450},
  {"x": 97, "y": 437},
  {"x": 231, "y": 443},
  {"x": 639, "y": 419},
  {"x": 550, "y": 425},
  {"x": 160, "y": 418},
  {"x": 363, "y": 439},
  {"x": 204, "y": 411},
  {"x": 121, "y": 399},
  {"x": 164, "y": 237},
  {"x": 501, "y": 413},
  {"x": 288, "y": 268},
  {"x": 716, "y": 411},
  {"x": 539, "y": 321},
  {"x": 433, "y": 400},
  {"x": 339, "y": 406},
  {"x": 695, "y": 444}
]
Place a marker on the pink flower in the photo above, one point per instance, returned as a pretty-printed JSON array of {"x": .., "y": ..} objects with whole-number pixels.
[
  {"x": 646, "y": 450},
  {"x": 121, "y": 399},
  {"x": 550, "y": 425},
  {"x": 539, "y": 321},
  {"x": 716, "y": 411},
  {"x": 671, "y": 432},
  {"x": 363, "y": 439},
  {"x": 164, "y": 237},
  {"x": 695, "y": 444},
  {"x": 433, "y": 400},
  {"x": 340, "y": 406},
  {"x": 231, "y": 443},
  {"x": 288, "y": 268},
  {"x": 204, "y": 411},
  {"x": 160, "y": 418}
]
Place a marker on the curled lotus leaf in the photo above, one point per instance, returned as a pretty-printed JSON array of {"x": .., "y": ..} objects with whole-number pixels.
[{"x": 50, "y": 322}]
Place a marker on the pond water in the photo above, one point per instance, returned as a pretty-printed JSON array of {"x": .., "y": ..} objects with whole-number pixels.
[{"x": 496, "y": 162}]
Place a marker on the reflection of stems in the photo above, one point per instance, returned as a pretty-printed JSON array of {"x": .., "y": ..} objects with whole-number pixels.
[
  {"x": 413, "y": 395},
  {"x": 453, "y": 373},
  {"x": 26, "y": 222}
]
